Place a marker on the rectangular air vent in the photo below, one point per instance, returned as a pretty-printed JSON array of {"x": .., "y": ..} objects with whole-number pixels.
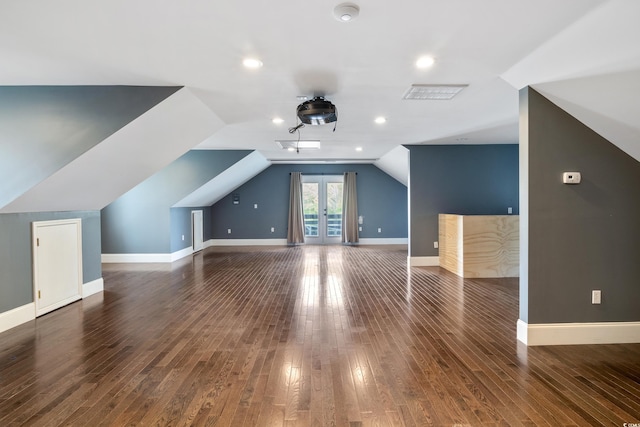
[
  {"x": 294, "y": 144},
  {"x": 433, "y": 92}
]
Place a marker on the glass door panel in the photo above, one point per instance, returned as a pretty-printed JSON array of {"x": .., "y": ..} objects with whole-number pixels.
[
  {"x": 311, "y": 209},
  {"x": 334, "y": 209},
  {"x": 322, "y": 205}
]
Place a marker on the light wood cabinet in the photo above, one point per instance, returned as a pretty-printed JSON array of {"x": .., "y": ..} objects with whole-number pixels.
[{"x": 480, "y": 245}]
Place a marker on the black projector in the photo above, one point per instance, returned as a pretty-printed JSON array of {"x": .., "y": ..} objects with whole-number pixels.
[{"x": 317, "y": 111}]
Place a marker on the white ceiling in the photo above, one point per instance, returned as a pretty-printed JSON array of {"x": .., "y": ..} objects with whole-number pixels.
[{"x": 572, "y": 50}]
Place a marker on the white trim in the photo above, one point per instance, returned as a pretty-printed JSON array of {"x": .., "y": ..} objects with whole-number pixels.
[
  {"x": 521, "y": 332},
  {"x": 383, "y": 241},
  {"x": 424, "y": 261},
  {"x": 578, "y": 333},
  {"x": 142, "y": 258},
  {"x": 17, "y": 316},
  {"x": 92, "y": 287},
  {"x": 247, "y": 242},
  {"x": 181, "y": 253},
  {"x": 126, "y": 258}
]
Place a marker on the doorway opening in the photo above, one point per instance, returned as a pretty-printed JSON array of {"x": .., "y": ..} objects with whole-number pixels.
[{"x": 322, "y": 205}]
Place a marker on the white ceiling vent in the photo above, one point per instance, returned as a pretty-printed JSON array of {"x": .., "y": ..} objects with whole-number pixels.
[
  {"x": 429, "y": 92},
  {"x": 294, "y": 145}
]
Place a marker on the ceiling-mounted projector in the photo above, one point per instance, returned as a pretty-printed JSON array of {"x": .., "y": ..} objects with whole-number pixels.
[{"x": 317, "y": 111}]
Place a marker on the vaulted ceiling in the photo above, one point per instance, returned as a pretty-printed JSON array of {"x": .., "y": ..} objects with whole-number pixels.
[{"x": 582, "y": 54}]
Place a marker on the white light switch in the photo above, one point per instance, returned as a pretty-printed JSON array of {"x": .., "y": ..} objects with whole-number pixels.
[
  {"x": 255, "y": 206},
  {"x": 596, "y": 297}
]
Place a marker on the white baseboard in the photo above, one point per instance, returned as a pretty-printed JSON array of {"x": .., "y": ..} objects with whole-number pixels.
[
  {"x": 246, "y": 242},
  {"x": 578, "y": 333},
  {"x": 181, "y": 253},
  {"x": 92, "y": 287},
  {"x": 387, "y": 241},
  {"x": 126, "y": 258},
  {"x": 142, "y": 258},
  {"x": 424, "y": 261},
  {"x": 17, "y": 316}
]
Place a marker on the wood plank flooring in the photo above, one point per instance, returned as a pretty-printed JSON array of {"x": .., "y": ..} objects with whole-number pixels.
[{"x": 304, "y": 336}]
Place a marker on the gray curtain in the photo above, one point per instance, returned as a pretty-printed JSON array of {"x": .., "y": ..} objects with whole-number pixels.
[
  {"x": 349, "y": 209},
  {"x": 295, "y": 232}
]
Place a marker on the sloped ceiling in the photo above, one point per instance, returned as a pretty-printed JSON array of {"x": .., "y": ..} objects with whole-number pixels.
[
  {"x": 42, "y": 129},
  {"x": 223, "y": 183},
  {"x": 364, "y": 67},
  {"x": 122, "y": 160}
]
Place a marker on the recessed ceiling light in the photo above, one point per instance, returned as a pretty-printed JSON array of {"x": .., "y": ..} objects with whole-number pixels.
[
  {"x": 425, "y": 62},
  {"x": 277, "y": 120},
  {"x": 346, "y": 12},
  {"x": 358, "y": 148},
  {"x": 380, "y": 120},
  {"x": 252, "y": 63}
]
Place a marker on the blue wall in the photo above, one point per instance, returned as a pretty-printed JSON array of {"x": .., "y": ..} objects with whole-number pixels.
[
  {"x": 458, "y": 179},
  {"x": 16, "y": 259},
  {"x": 381, "y": 200},
  {"x": 139, "y": 222},
  {"x": 581, "y": 237},
  {"x": 181, "y": 226}
]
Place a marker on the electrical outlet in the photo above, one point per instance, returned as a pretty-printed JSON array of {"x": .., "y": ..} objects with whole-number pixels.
[
  {"x": 379, "y": 230},
  {"x": 509, "y": 210},
  {"x": 435, "y": 245},
  {"x": 183, "y": 237},
  {"x": 228, "y": 231},
  {"x": 273, "y": 229},
  {"x": 255, "y": 206},
  {"x": 359, "y": 228},
  {"x": 596, "y": 297}
]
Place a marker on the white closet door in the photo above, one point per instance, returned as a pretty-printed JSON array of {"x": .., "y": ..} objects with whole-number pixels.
[
  {"x": 57, "y": 263},
  {"x": 198, "y": 231}
]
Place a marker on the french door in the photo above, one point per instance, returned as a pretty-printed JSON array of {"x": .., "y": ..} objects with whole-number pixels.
[{"x": 322, "y": 205}]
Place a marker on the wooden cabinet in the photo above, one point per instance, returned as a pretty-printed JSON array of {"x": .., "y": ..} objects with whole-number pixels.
[{"x": 480, "y": 245}]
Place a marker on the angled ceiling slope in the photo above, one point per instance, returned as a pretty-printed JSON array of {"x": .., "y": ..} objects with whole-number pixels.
[
  {"x": 224, "y": 183},
  {"x": 591, "y": 69},
  {"x": 43, "y": 128},
  {"x": 121, "y": 161}
]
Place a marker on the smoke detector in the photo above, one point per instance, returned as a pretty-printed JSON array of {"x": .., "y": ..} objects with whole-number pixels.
[{"x": 346, "y": 12}]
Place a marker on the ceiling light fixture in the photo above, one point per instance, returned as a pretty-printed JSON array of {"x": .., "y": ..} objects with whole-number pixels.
[
  {"x": 358, "y": 148},
  {"x": 252, "y": 63},
  {"x": 425, "y": 62},
  {"x": 380, "y": 120},
  {"x": 346, "y": 12},
  {"x": 277, "y": 120},
  {"x": 294, "y": 144},
  {"x": 433, "y": 92}
]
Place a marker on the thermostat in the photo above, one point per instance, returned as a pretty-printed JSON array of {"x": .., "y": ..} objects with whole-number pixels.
[{"x": 571, "y": 177}]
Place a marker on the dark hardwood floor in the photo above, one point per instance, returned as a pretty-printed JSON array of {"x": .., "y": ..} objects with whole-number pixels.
[{"x": 305, "y": 336}]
